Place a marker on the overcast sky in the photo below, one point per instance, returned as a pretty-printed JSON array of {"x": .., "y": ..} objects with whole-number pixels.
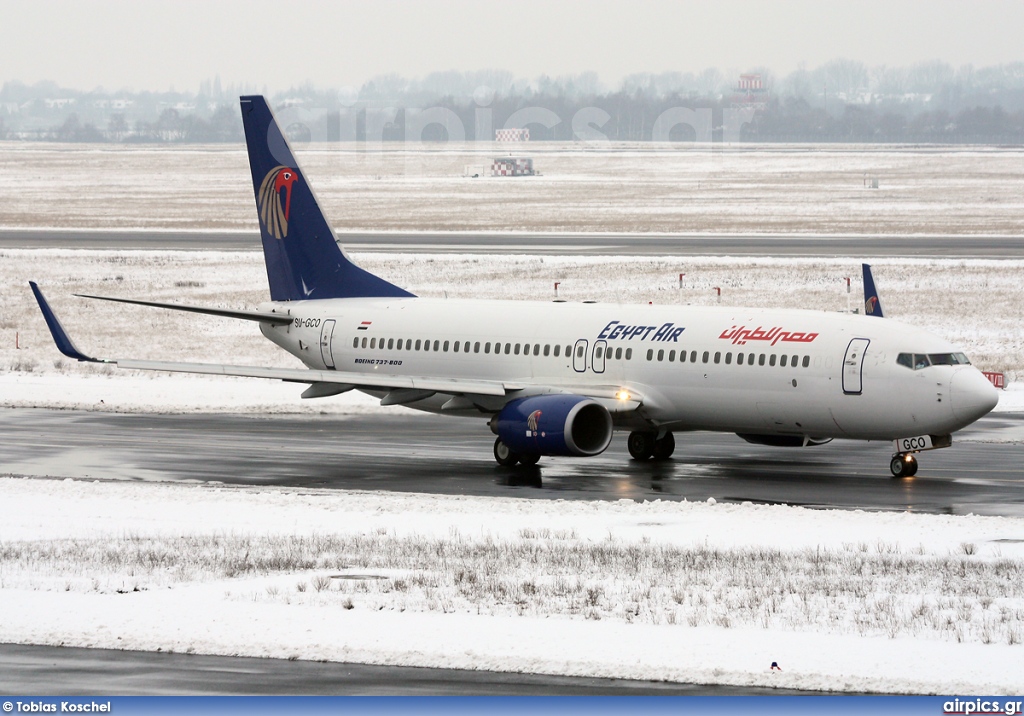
[{"x": 269, "y": 43}]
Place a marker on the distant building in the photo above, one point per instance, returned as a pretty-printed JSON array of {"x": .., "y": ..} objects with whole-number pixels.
[
  {"x": 512, "y": 167},
  {"x": 58, "y": 102},
  {"x": 750, "y": 92},
  {"x": 512, "y": 135}
]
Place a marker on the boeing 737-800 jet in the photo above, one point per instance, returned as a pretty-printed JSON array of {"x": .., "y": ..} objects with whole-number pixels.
[{"x": 560, "y": 378}]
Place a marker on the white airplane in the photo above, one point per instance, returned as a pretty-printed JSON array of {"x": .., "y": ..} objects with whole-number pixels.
[{"x": 559, "y": 378}]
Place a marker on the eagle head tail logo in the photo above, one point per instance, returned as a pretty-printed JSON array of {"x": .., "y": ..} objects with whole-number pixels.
[{"x": 273, "y": 213}]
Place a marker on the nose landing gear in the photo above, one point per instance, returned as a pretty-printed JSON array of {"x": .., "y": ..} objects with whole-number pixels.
[{"x": 903, "y": 465}]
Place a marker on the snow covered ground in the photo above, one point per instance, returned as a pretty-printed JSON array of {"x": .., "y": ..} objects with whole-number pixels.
[
  {"x": 643, "y": 187},
  {"x": 693, "y": 592}
]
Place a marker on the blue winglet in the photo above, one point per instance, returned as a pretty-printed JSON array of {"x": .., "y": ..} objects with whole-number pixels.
[
  {"x": 872, "y": 304},
  {"x": 60, "y": 336}
]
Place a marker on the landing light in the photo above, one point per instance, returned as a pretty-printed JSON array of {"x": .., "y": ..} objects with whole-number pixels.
[{"x": 623, "y": 395}]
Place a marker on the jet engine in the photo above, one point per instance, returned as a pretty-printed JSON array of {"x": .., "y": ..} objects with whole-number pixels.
[{"x": 554, "y": 425}]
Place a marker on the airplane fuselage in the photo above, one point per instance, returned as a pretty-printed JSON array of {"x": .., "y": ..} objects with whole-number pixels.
[{"x": 744, "y": 370}]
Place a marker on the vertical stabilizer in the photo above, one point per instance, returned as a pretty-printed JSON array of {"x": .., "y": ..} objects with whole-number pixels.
[
  {"x": 872, "y": 305},
  {"x": 303, "y": 258}
]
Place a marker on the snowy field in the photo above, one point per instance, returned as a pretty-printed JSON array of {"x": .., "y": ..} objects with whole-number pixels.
[
  {"x": 646, "y": 187},
  {"x": 690, "y": 592},
  {"x": 974, "y": 303}
]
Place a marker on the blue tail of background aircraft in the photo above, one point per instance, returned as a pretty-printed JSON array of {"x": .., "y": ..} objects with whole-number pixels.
[
  {"x": 872, "y": 305},
  {"x": 302, "y": 255}
]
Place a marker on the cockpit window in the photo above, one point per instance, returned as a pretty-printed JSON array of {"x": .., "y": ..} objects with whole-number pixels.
[
  {"x": 948, "y": 359},
  {"x": 917, "y": 361}
]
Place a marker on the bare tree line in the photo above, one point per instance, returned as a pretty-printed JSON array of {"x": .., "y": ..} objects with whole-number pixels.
[{"x": 842, "y": 100}]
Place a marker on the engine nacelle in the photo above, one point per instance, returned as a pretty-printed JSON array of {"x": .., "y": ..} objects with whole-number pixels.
[{"x": 554, "y": 425}]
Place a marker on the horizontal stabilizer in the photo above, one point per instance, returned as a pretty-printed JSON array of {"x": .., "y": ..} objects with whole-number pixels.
[{"x": 279, "y": 319}]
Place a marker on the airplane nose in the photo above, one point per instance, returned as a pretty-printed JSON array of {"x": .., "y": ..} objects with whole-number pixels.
[{"x": 971, "y": 395}]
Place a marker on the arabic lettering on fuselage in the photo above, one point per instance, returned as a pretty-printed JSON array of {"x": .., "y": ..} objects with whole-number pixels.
[
  {"x": 616, "y": 331},
  {"x": 739, "y": 336}
]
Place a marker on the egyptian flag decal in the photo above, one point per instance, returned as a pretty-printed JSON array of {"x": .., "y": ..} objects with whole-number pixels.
[{"x": 364, "y": 325}]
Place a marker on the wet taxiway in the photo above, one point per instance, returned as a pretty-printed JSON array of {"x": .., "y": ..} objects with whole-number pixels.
[
  {"x": 431, "y": 454},
  {"x": 48, "y": 670}
]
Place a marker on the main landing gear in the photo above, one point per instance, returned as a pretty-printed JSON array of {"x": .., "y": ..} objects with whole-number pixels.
[
  {"x": 903, "y": 464},
  {"x": 646, "y": 445},
  {"x": 508, "y": 458}
]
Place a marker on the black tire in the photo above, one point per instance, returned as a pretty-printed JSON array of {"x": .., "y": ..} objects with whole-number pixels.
[
  {"x": 504, "y": 456},
  {"x": 529, "y": 460},
  {"x": 641, "y": 445},
  {"x": 897, "y": 467},
  {"x": 664, "y": 448},
  {"x": 911, "y": 467}
]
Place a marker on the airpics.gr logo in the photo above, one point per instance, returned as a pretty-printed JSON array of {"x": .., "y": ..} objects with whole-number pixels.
[{"x": 273, "y": 213}]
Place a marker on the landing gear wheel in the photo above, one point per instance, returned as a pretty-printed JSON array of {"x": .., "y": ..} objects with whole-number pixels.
[
  {"x": 664, "y": 447},
  {"x": 903, "y": 465},
  {"x": 529, "y": 460},
  {"x": 504, "y": 456},
  {"x": 641, "y": 445}
]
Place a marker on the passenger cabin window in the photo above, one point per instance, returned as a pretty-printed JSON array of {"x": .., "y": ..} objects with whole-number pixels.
[
  {"x": 547, "y": 349},
  {"x": 671, "y": 356},
  {"x": 693, "y": 357},
  {"x": 728, "y": 358},
  {"x": 650, "y": 354},
  {"x": 355, "y": 342},
  {"x": 704, "y": 358},
  {"x": 771, "y": 359},
  {"x": 760, "y": 359},
  {"x": 558, "y": 349},
  {"x": 536, "y": 349},
  {"x": 739, "y": 359},
  {"x": 629, "y": 354},
  {"x": 445, "y": 347},
  {"x": 455, "y": 347},
  {"x": 718, "y": 357},
  {"x": 782, "y": 360},
  {"x": 807, "y": 361}
]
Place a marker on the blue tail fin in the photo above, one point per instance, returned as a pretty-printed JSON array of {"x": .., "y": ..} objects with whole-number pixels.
[
  {"x": 872, "y": 305},
  {"x": 302, "y": 255}
]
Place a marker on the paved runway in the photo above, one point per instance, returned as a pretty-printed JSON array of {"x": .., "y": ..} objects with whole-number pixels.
[
  {"x": 84, "y": 672},
  {"x": 444, "y": 455},
  {"x": 990, "y": 247}
]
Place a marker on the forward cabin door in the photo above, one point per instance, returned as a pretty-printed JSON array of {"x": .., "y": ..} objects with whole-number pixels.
[
  {"x": 326, "y": 336},
  {"x": 853, "y": 366}
]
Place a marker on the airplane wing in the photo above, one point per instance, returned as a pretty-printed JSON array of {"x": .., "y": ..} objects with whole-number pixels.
[{"x": 402, "y": 388}]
